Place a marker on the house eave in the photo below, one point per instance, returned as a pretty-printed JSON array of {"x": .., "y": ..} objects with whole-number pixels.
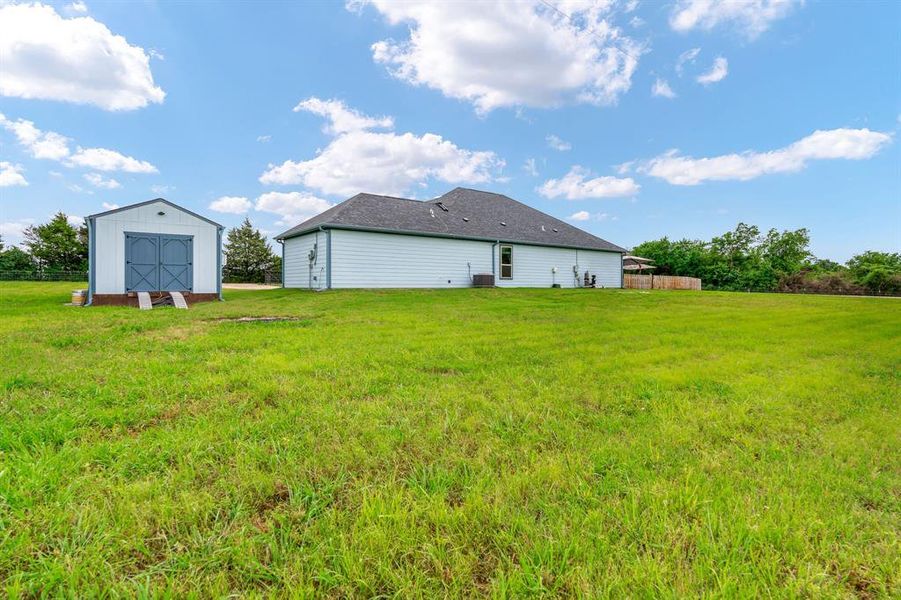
[{"x": 284, "y": 236}]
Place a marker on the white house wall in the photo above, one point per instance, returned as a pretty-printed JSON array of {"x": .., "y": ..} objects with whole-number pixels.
[
  {"x": 109, "y": 244},
  {"x": 361, "y": 259},
  {"x": 607, "y": 266},
  {"x": 299, "y": 273}
]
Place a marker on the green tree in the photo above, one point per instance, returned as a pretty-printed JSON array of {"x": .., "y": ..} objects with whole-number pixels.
[
  {"x": 57, "y": 245},
  {"x": 16, "y": 259},
  {"x": 786, "y": 252},
  {"x": 879, "y": 272},
  {"x": 247, "y": 254}
]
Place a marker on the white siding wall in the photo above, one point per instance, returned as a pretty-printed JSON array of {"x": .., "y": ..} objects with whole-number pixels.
[
  {"x": 379, "y": 260},
  {"x": 363, "y": 259},
  {"x": 298, "y": 273},
  {"x": 533, "y": 266},
  {"x": 608, "y": 266},
  {"x": 109, "y": 245}
]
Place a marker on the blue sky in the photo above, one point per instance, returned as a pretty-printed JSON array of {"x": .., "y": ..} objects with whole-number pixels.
[{"x": 633, "y": 120}]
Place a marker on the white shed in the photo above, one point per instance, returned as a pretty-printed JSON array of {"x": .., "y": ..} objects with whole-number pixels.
[{"x": 153, "y": 246}]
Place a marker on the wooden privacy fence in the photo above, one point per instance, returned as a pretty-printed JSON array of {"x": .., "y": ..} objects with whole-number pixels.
[{"x": 660, "y": 282}]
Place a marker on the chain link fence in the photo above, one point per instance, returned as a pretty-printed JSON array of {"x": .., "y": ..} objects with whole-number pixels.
[{"x": 43, "y": 276}]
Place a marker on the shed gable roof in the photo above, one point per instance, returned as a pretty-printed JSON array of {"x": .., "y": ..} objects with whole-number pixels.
[
  {"x": 146, "y": 202},
  {"x": 462, "y": 212}
]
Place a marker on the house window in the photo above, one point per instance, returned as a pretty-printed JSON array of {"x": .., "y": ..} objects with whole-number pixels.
[{"x": 506, "y": 262}]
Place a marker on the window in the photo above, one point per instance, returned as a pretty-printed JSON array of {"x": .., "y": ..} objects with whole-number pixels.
[{"x": 506, "y": 262}]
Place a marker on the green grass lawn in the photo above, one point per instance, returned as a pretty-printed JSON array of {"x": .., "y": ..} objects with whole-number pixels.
[{"x": 452, "y": 443}]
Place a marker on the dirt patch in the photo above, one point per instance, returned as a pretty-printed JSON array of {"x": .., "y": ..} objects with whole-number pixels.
[
  {"x": 249, "y": 286},
  {"x": 256, "y": 319},
  {"x": 280, "y": 495}
]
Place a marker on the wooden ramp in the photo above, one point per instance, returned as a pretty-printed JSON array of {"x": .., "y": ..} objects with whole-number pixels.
[
  {"x": 178, "y": 300},
  {"x": 144, "y": 301}
]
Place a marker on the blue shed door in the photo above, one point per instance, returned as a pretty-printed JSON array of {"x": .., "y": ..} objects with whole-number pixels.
[
  {"x": 158, "y": 263},
  {"x": 176, "y": 263},
  {"x": 142, "y": 254}
]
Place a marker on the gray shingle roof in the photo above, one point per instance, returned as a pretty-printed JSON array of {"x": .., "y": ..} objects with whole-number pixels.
[{"x": 462, "y": 213}]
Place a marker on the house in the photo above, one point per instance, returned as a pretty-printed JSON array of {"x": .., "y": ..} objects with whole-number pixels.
[
  {"x": 372, "y": 241},
  {"x": 154, "y": 246}
]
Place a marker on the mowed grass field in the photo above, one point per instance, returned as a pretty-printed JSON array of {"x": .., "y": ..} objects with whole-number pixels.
[{"x": 452, "y": 443}]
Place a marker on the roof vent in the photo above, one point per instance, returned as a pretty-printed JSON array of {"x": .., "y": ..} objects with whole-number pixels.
[
  {"x": 466, "y": 219},
  {"x": 503, "y": 224},
  {"x": 432, "y": 212},
  {"x": 441, "y": 206},
  {"x": 542, "y": 228},
  {"x": 555, "y": 230}
]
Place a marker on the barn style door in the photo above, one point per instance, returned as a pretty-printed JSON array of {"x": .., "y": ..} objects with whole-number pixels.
[
  {"x": 176, "y": 270},
  {"x": 142, "y": 258},
  {"x": 158, "y": 263}
]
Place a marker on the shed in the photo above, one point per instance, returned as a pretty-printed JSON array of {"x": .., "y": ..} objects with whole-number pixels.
[{"x": 154, "y": 246}]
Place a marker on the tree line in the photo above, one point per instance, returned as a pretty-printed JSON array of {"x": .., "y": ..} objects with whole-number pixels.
[
  {"x": 742, "y": 260},
  {"x": 747, "y": 260},
  {"x": 58, "y": 247}
]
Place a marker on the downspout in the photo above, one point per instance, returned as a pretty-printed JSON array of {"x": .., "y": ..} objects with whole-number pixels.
[
  {"x": 92, "y": 276},
  {"x": 494, "y": 262},
  {"x": 312, "y": 257},
  {"x": 622, "y": 273},
  {"x": 219, "y": 262},
  {"x": 282, "y": 242},
  {"x": 328, "y": 258}
]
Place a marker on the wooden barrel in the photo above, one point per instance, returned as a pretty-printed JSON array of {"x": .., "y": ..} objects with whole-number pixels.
[{"x": 78, "y": 297}]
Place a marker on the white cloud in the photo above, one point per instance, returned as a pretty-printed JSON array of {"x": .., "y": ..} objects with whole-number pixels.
[
  {"x": 264, "y": 138},
  {"x": 234, "y": 205},
  {"x": 40, "y": 144},
  {"x": 661, "y": 88},
  {"x": 383, "y": 162},
  {"x": 851, "y": 144},
  {"x": 102, "y": 159},
  {"x": 717, "y": 72},
  {"x": 13, "y": 232},
  {"x": 292, "y": 207},
  {"x": 75, "y": 221},
  {"x": 97, "y": 180},
  {"x": 11, "y": 175},
  {"x": 48, "y": 57},
  {"x": 77, "y": 7},
  {"x": 584, "y": 215},
  {"x": 752, "y": 17},
  {"x": 53, "y": 146},
  {"x": 510, "y": 54},
  {"x": 557, "y": 144},
  {"x": 109, "y": 206},
  {"x": 74, "y": 187},
  {"x": 636, "y": 22},
  {"x": 161, "y": 189},
  {"x": 689, "y": 56},
  {"x": 342, "y": 119},
  {"x": 530, "y": 167},
  {"x": 154, "y": 53},
  {"x": 579, "y": 184}
]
